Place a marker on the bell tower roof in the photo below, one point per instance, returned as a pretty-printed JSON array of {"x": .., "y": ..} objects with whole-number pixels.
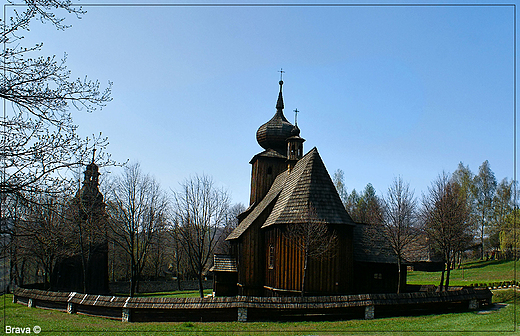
[
  {"x": 274, "y": 133},
  {"x": 89, "y": 192}
]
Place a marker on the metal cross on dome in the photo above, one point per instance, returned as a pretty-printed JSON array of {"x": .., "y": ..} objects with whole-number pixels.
[
  {"x": 281, "y": 73},
  {"x": 296, "y": 117}
]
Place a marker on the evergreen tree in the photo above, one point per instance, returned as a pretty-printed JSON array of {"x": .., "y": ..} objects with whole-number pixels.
[
  {"x": 369, "y": 206},
  {"x": 352, "y": 205}
]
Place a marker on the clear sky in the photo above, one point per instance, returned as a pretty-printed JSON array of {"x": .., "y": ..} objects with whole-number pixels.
[{"x": 383, "y": 91}]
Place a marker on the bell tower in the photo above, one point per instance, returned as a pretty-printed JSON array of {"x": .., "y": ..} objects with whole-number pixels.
[
  {"x": 294, "y": 148},
  {"x": 272, "y": 136}
]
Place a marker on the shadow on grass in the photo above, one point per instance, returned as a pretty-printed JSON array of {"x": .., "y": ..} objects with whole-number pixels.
[
  {"x": 492, "y": 308},
  {"x": 481, "y": 264}
]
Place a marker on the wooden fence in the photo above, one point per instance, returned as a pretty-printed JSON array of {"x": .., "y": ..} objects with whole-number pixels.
[{"x": 242, "y": 308}]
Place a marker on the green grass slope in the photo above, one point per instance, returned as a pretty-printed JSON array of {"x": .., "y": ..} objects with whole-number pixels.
[
  {"x": 492, "y": 322},
  {"x": 497, "y": 320},
  {"x": 470, "y": 273}
]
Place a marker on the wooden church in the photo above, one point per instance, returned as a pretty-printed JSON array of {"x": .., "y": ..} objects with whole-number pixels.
[{"x": 287, "y": 189}]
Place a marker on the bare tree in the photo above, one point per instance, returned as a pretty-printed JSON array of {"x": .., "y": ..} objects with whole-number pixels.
[
  {"x": 446, "y": 217},
  {"x": 159, "y": 254},
  {"x": 37, "y": 234},
  {"x": 398, "y": 222},
  {"x": 180, "y": 264},
  {"x": 38, "y": 136},
  {"x": 485, "y": 185},
  {"x": 313, "y": 238},
  {"x": 199, "y": 212},
  {"x": 339, "y": 182},
  {"x": 137, "y": 210}
]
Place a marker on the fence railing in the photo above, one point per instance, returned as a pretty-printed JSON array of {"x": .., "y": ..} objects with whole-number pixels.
[{"x": 242, "y": 308}]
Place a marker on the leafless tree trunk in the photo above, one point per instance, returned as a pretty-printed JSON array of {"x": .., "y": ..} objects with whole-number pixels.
[
  {"x": 137, "y": 208},
  {"x": 313, "y": 237},
  {"x": 178, "y": 254},
  {"x": 398, "y": 222},
  {"x": 447, "y": 223},
  {"x": 199, "y": 212},
  {"x": 36, "y": 229},
  {"x": 484, "y": 188},
  {"x": 39, "y": 138}
]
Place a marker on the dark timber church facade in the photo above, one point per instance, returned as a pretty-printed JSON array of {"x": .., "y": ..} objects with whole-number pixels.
[{"x": 285, "y": 186}]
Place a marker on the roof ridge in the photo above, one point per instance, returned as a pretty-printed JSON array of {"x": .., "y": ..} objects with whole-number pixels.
[
  {"x": 288, "y": 188},
  {"x": 308, "y": 186},
  {"x": 271, "y": 195}
]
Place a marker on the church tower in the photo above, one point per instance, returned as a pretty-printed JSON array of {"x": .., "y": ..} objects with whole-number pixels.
[
  {"x": 87, "y": 269},
  {"x": 294, "y": 147},
  {"x": 272, "y": 136}
]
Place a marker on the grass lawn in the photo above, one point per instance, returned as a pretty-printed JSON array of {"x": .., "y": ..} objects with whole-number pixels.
[
  {"x": 465, "y": 323},
  {"x": 499, "y": 320},
  {"x": 470, "y": 273}
]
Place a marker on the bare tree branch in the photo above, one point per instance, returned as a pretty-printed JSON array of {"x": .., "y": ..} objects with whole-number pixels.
[
  {"x": 199, "y": 213},
  {"x": 137, "y": 212}
]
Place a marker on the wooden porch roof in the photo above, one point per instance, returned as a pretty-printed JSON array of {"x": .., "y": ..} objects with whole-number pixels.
[{"x": 224, "y": 263}]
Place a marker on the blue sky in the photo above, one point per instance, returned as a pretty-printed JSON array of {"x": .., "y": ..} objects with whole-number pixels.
[{"x": 383, "y": 91}]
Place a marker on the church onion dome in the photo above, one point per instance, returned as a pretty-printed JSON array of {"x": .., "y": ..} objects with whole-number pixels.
[
  {"x": 274, "y": 133},
  {"x": 295, "y": 131}
]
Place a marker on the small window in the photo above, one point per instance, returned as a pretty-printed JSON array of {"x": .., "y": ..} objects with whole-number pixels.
[
  {"x": 378, "y": 276},
  {"x": 271, "y": 256}
]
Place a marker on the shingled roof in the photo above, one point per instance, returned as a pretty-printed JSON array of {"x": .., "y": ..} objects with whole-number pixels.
[
  {"x": 308, "y": 188},
  {"x": 270, "y": 153},
  {"x": 223, "y": 263},
  {"x": 275, "y": 190},
  {"x": 371, "y": 246}
]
